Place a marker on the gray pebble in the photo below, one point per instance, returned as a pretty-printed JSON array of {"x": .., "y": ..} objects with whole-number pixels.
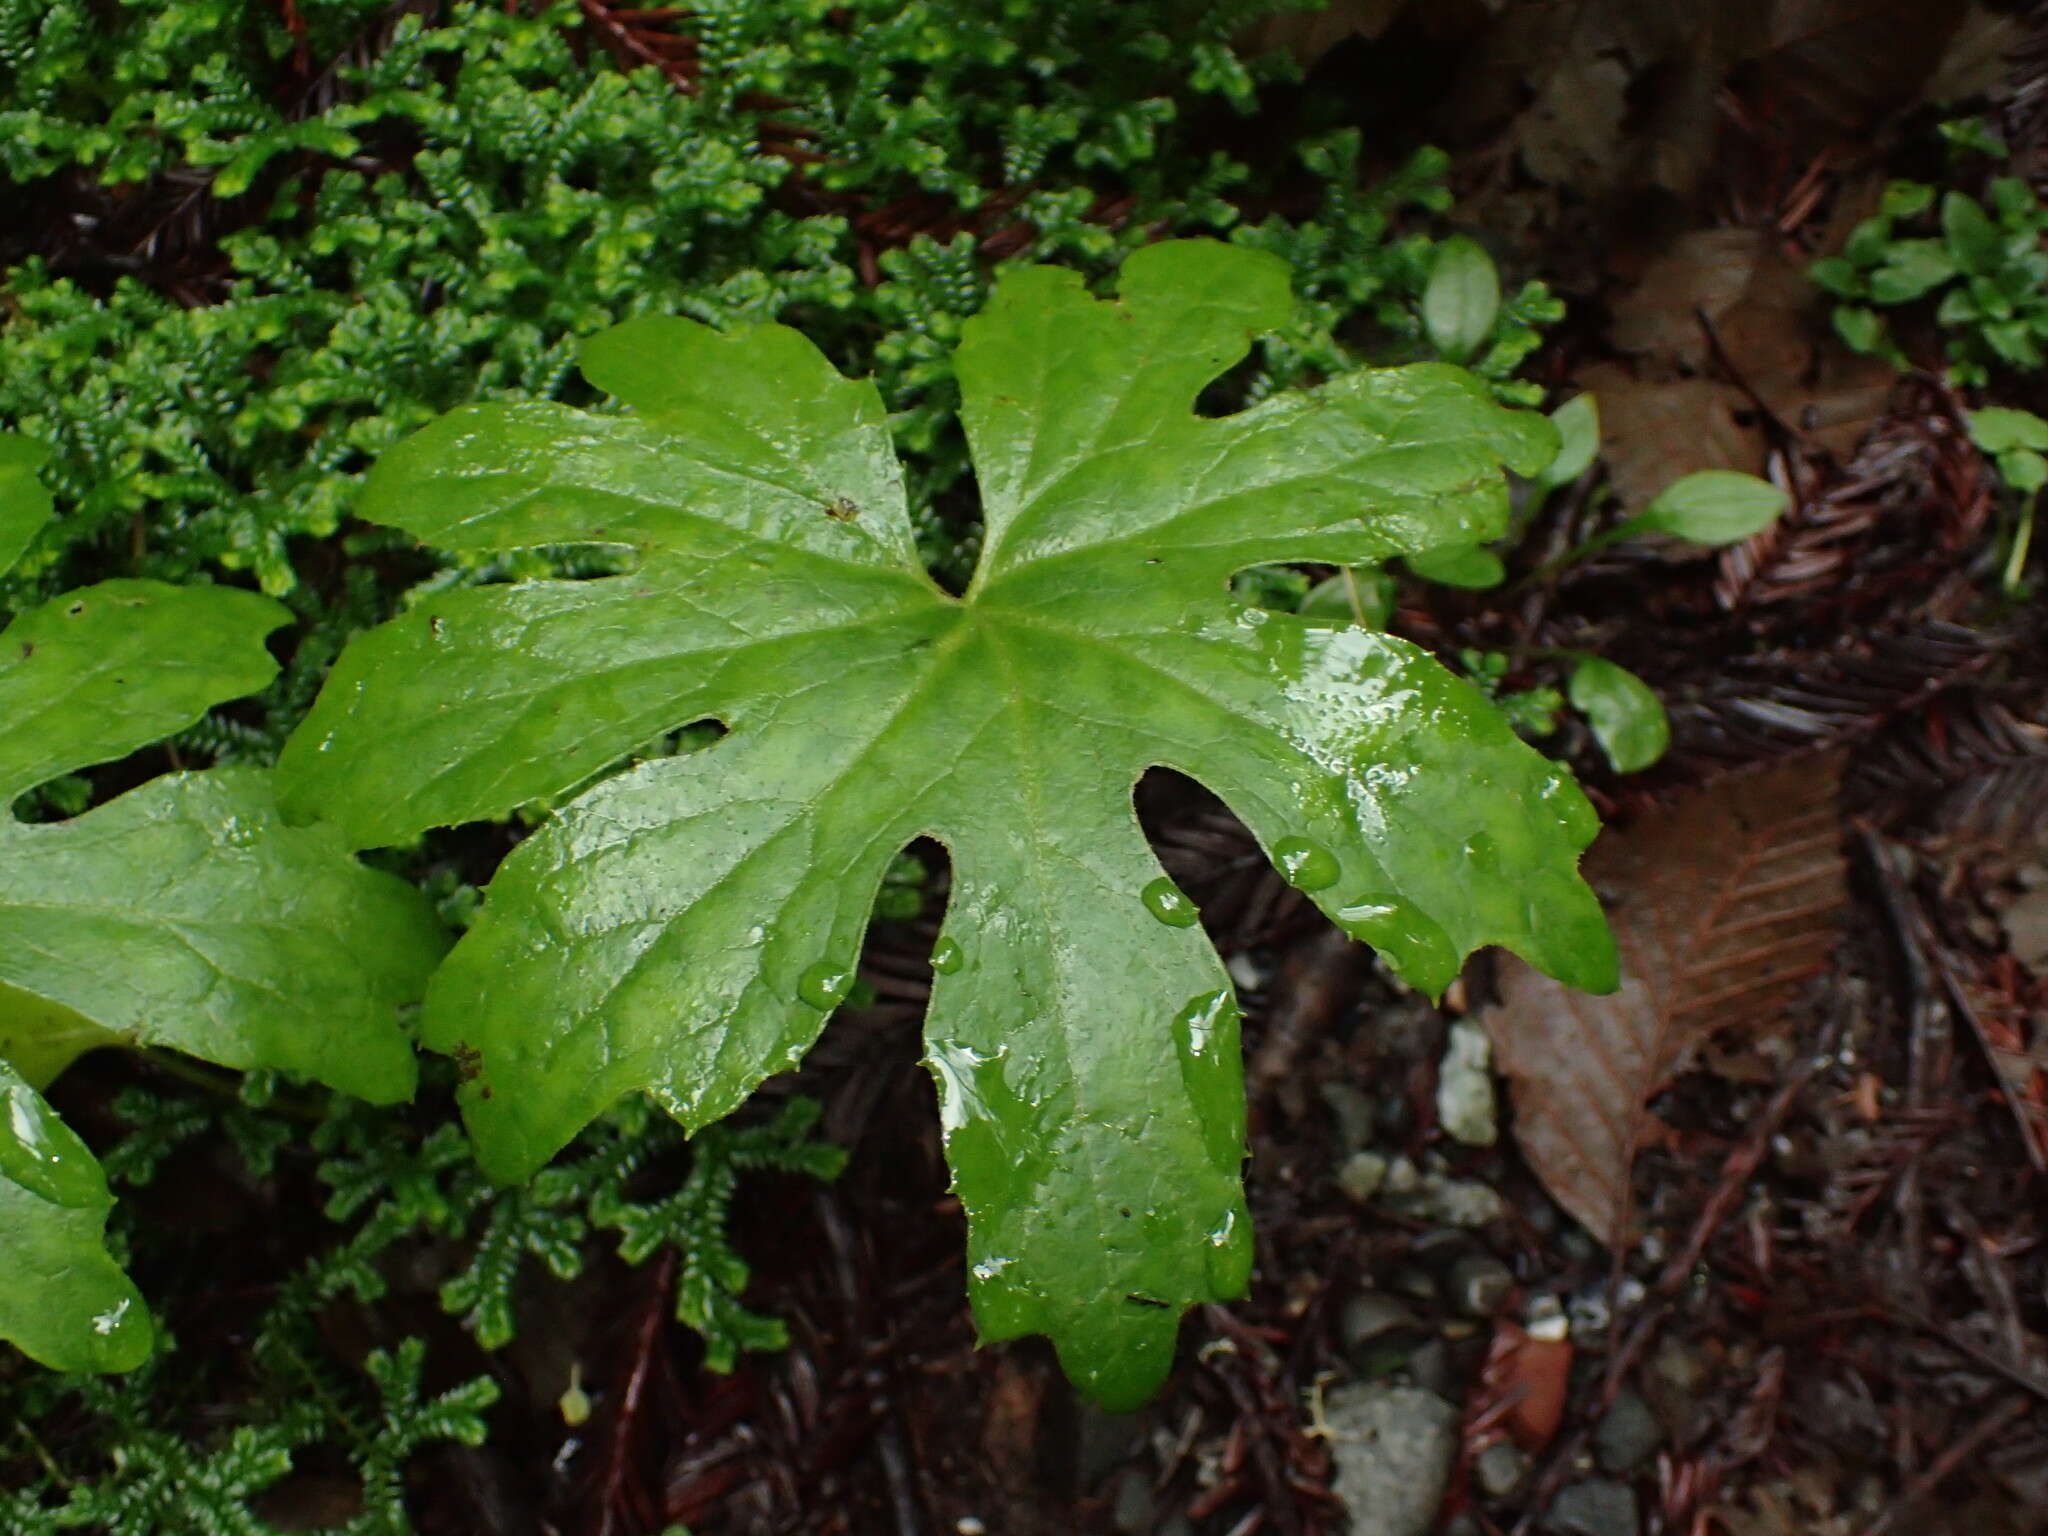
[
  {"x": 1594, "y": 1508},
  {"x": 1132, "y": 1509},
  {"x": 1500, "y": 1469},
  {"x": 1628, "y": 1434},
  {"x": 1361, "y": 1174},
  {"x": 1353, "y": 1113},
  {"x": 1393, "y": 1448},
  {"x": 1479, "y": 1285}
]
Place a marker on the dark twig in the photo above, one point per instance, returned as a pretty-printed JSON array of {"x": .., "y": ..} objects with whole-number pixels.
[
  {"x": 1981, "y": 1434},
  {"x": 618, "y": 1458}
]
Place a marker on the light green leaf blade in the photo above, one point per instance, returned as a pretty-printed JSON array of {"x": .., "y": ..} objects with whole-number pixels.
[
  {"x": 686, "y": 927},
  {"x": 186, "y": 914},
  {"x": 1999, "y": 428},
  {"x": 2023, "y": 469},
  {"x": 1627, "y": 717},
  {"x": 1459, "y": 565},
  {"x": 63, "y": 1301},
  {"x": 24, "y": 504},
  {"x": 94, "y": 674},
  {"x": 1462, "y": 298},
  {"x": 1714, "y": 507},
  {"x": 1578, "y": 431}
]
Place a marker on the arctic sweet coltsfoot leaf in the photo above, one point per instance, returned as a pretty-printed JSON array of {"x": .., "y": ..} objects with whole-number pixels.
[{"x": 687, "y": 926}]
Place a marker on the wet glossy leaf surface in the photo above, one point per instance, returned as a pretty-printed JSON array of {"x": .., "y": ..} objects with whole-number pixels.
[
  {"x": 24, "y": 504},
  {"x": 186, "y": 914},
  {"x": 63, "y": 1301},
  {"x": 96, "y": 673},
  {"x": 686, "y": 926}
]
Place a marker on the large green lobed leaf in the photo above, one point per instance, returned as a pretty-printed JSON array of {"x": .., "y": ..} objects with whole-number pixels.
[{"x": 686, "y": 927}]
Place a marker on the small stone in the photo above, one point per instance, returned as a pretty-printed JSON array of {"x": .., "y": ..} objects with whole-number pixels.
[
  {"x": 1594, "y": 1508},
  {"x": 1393, "y": 1448},
  {"x": 1131, "y": 1509},
  {"x": 1479, "y": 1285},
  {"x": 1627, "y": 1435},
  {"x": 1403, "y": 1177},
  {"x": 1374, "y": 1317},
  {"x": 2026, "y": 928},
  {"x": 1464, "y": 1087},
  {"x": 1459, "y": 1202},
  {"x": 1433, "y": 1368},
  {"x": 1361, "y": 1174},
  {"x": 1353, "y": 1112},
  {"x": 1500, "y": 1469}
]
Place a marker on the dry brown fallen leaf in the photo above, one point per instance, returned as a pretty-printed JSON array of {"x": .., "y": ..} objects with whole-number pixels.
[{"x": 1721, "y": 908}]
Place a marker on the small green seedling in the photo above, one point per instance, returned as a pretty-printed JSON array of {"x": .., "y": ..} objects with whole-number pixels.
[
  {"x": 1986, "y": 267},
  {"x": 687, "y": 927},
  {"x": 1625, "y": 714},
  {"x": 2017, "y": 442}
]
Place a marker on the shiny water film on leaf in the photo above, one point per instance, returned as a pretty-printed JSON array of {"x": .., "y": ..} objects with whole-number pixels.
[{"x": 685, "y": 927}]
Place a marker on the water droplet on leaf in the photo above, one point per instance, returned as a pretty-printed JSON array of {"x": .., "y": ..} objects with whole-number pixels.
[
  {"x": 1307, "y": 866},
  {"x": 825, "y": 984},
  {"x": 1206, "y": 1016},
  {"x": 1169, "y": 903},
  {"x": 947, "y": 956},
  {"x": 41, "y": 1153}
]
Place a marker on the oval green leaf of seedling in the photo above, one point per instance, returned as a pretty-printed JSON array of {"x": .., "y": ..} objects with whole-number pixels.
[
  {"x": 686, "y": 927},
  {"x": 63, "y": 1301},
  {"x": 1974, "y": 243},
  {"x": 1363, "y": 595},
  {"x": 1998, "y": 428},
  {"x": 1714, "y": 507},
  {"x": 2023, "y": 469},
  {"x": 1578, "y": 441},
  {"x": 1462, "y": 298},
  {"x": 1458, "y": 565},
  {"x": 1627, "y": 717}
]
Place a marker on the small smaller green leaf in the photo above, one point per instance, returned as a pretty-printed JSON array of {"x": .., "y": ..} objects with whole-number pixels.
[
  {"x": 2000, "y": 428},
  {"x": 1578, "y": 432},
  {"x": 2012, "y": 341},
  {"x": 2023, "y": 469},
  {"x": 1458, "y": 565},
  {"x": 1462, "y": 300},
  {"x": 1974, "y": 242},
  {"x": 1869, "y": 242},
  {"x": 1911, "y": 268},
  {"x": 1839, "y": 276},
  {"x": 94, "y": 674},
  {"x": 1715, "y": 507},
  {"x": 186, "y": 914},
  {"x": 24, "y": 503},
  {"x": 1903, "y": 199},
  {"x": 1862, "y": 329},
  {"x": 1363, "y": 595},
  {"x": 1627, "y": 718},
  {"x": 63, "y": 1301}
]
